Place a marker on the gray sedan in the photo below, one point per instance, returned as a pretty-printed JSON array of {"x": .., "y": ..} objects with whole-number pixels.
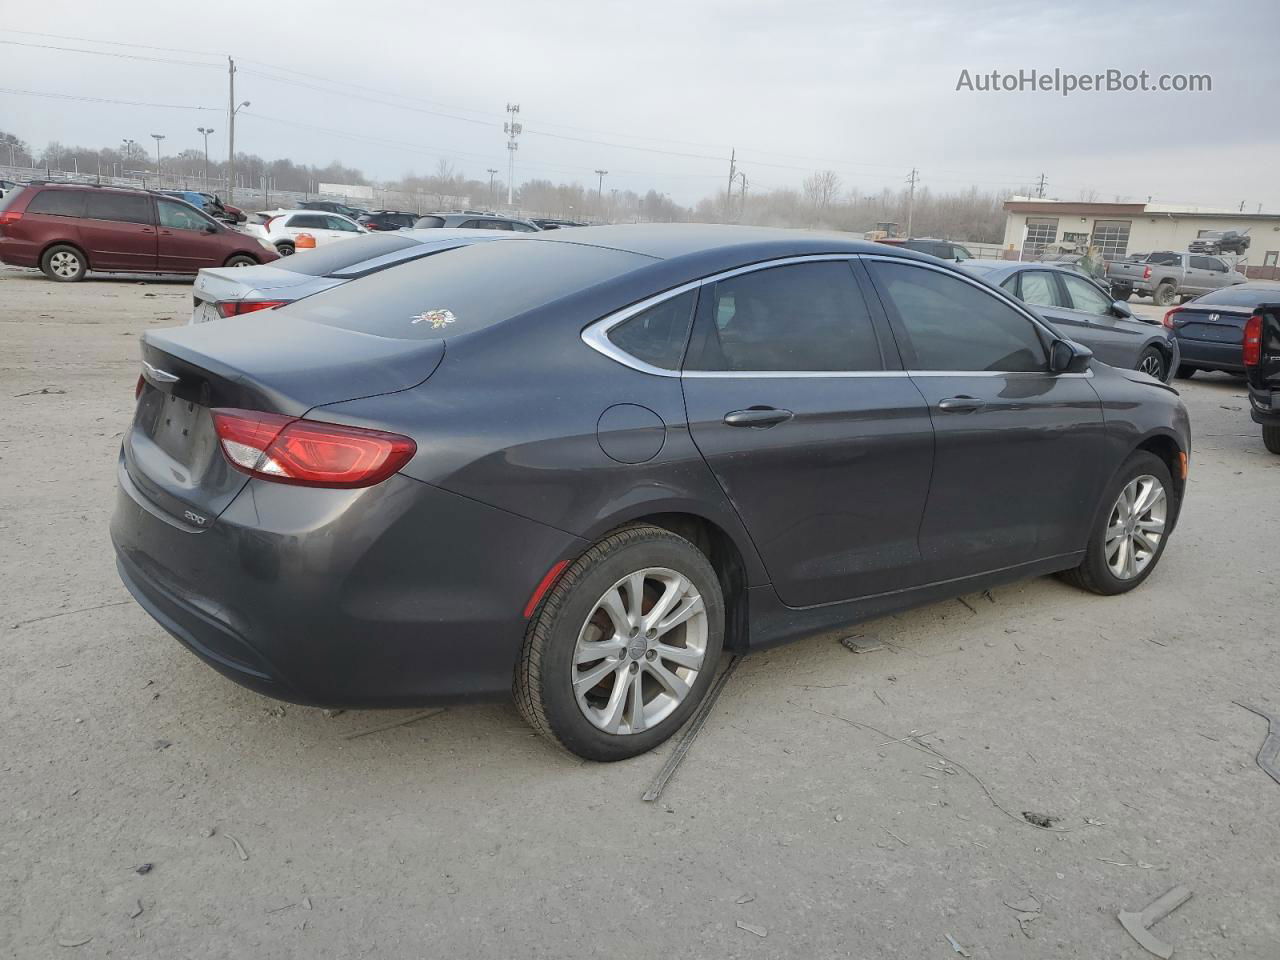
[{"x": 1086, "y": 313}]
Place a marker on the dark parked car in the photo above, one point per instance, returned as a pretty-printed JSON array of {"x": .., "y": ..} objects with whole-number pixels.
[
  {"x": 942, "y": 249},
  {"x": 645, "y": 446},
  {"x": 1210, "y": 328},
  {"x": 387, "y": 220},
  {"x": 1262, "y": 368},
  {"x": 547, "y": 223},
  {"x": 1084, "y": 311},
  {"x": 1221, "y": 241},
  {"x": 68, "y": 229},
  {"x": 333, "y": 206},
  {"x": 467, "y": 221}
]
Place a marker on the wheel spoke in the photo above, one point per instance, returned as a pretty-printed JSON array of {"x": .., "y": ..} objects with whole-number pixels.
[
  {"x": 690, "y": 608},
  {"x": 1151, "y": 525},
  {"x": 1147, "y": 498},
  {"x": 674, "y": 685},
  {"x": 637, "y": 701},
  {"x": 1114, "y": 531},
  {"x": 680, "y": 656},
  {"x": 613, "y": 604},
  {"x": 635, "y": 598},
  {"x": 1141, "y": 538},
  {"x": 670, "y": 597},
  {"x": 589, "y": 652},
  {"x": 1130, "y": 567},
  {"x": 611, "y": 719},
  {"x": 587, "y": 681}
]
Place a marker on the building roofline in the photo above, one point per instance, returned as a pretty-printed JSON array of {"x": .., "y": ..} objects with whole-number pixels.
[{"x": 1080, "y": 208}]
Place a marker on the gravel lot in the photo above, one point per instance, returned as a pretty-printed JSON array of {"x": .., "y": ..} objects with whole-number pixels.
[{"x": 795, "y": 828}]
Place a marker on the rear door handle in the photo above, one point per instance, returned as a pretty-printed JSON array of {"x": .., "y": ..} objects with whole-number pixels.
[
  {"x": 961, "y": 404},
  {"x": 757, "y": 417}
]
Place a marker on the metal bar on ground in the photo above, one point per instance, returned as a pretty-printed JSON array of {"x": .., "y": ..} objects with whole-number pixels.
[{"x": 695, "y": 725}]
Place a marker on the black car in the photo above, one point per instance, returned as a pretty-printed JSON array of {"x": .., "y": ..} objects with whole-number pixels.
[
  {"x": 1210, "y": 328},
  {"x": 644, "y": 447},
  {"x": 549, "y": 223},
  {"x": 1221, "y": 241},
  {"x": 332, "y": 206},
  {"x": 470, "y": 221},
  {"x": 1262, "y": 368},
  {"x": 1084, "y": 310},
  {"x": 387, "y": 220}
]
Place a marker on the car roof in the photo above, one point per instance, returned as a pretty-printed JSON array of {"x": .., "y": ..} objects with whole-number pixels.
[
  {"x": 665, "y": 241},
  {"x": 59, "y": 185}
]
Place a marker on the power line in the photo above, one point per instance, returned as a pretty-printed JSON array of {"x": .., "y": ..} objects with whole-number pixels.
[
  {"x": 113, "y": 43},
  {"x": 106, "y": 53},
  {"x": 83, "y": 99}
]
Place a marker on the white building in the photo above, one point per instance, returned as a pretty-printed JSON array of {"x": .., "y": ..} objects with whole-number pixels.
[{"x": 1035, "y": 226}]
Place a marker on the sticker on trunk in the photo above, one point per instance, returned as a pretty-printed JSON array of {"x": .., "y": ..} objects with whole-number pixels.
[{"x": 439, "y": 318}]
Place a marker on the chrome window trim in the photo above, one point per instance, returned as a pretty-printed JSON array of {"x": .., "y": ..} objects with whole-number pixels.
[{"x": 595, "y": 334}]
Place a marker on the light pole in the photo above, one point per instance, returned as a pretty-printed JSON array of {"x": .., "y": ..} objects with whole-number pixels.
[
  {"x": 158, "y": 137},
  {"x": 491, "y": 171},
  {"x": 206, "y": 131},
  {"x": 600, "y": 193},
  {"x": 231, "y": 147}
]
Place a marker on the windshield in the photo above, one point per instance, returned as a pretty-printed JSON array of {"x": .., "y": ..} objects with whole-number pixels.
[{"x": 471, "y": 288}]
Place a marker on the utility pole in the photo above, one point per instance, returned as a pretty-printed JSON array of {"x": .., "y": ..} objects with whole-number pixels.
[
  {"x": 912, "y": 179},
  {"x": 512, "y": 129},
  {"x": 158, "y": 137},
  {"x": 600, "y": 191},
  {"x": 492, "y": 171},
  {"x": 728, "y": 194},
  {"x": 206, "y": 131},
  {"x": 1040, "y": 187},
  {"x": 232, "y": 109},
  {"x": 742, "y": 196}
]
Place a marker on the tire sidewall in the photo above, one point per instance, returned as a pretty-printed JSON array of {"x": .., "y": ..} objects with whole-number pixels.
[
  {"x": 46, "y": 261},
  {"x": 564, "y": 716},
  {"x": 1139, "y": 464},
  {"x": 1159, "y": 355}
]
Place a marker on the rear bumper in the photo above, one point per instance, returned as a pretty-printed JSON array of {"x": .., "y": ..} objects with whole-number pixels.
[
  {"x": 1212, "y": 356},
  {"x": 1264, "y": 406},
  {"x": 19, "y": 253},
  {"x": 398, "y": 595}
]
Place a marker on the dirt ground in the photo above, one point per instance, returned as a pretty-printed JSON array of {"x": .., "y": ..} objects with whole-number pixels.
[{"x": 801, "y": 824}]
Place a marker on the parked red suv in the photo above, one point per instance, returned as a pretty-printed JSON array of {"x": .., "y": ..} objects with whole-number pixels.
[{"x": 66, "y": 229}]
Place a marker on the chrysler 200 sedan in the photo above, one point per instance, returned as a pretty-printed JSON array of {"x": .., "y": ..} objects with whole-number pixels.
[{"x": 586, "y": 464}]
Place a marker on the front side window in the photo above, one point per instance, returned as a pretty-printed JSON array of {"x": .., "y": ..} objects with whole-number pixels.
[
  {"x": 337, "y": 223},
  {"x": 1208, "y": 263},
  {"x": 658, "y": 335},
  {"x": 1086, "y": 298},
  {"x": 121, "y": 207},
  {"x": 801, "y": 317},
  {"x": 177, "y": 216},
  {"x": 950, "y": 324}
]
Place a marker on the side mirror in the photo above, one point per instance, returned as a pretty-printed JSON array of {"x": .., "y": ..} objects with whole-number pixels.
[
  {"x": 1121, "y": 309},
  {"x": 1066, "y": 356},
  {"x": 210, "y": 228}
]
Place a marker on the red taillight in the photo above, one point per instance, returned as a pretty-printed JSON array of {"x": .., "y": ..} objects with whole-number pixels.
[
  {"x": 309, "y": 453},
  {"x": 1168, "y": 317},
  {"x": 1253, "y": 340},
  {"x": 10, "y": 216},
  {"x": 1146, "y": 273},
  {"x": 269, "y": 221},
  {"x": 137, "y": 390},
  {"x": 370, "y": 226},
  {"x": 234, "y": 308}
]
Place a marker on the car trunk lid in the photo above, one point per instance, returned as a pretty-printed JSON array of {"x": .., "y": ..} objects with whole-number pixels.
[
  {"x": 288, "y": 366},
  {"x": 1210, "y": 324}
]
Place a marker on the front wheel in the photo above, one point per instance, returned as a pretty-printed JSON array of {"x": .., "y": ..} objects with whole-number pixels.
[
  {"x": 1130, "y": 532},
  {"x": 285, "y": 249},
  {"x": 241, "y": 260},
  {"x": 1271, "y": 438},
  {"x": 1152, "y": 363},
  {"x": 624, "y": 646}
]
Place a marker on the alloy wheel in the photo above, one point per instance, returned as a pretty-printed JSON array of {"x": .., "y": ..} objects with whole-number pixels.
[
  {"x": 64, "y": 264},
  {"x": 1152, "y": 365},
  {"x": 1136, "y": 527},
  {"x": 640, "y": 651}
]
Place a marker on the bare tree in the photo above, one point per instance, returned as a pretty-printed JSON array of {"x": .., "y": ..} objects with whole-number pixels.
[{"x": 821, "y": 188}]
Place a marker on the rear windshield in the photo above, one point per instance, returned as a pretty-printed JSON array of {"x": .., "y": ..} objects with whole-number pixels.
[
  {"x": 327, "y": 260},
  {"x": 1241, "y": 296},
  {"x": 11, "y": 196},
  {"x": 470, "y": 288}
]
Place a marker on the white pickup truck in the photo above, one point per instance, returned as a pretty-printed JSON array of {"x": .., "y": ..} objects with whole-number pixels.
[{"x": 1167, "y": 274}]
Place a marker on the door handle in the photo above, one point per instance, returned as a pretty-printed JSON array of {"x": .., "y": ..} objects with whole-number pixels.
[
  {"x": 757, "y": 417},
  {"x": 961, "y": 404}
]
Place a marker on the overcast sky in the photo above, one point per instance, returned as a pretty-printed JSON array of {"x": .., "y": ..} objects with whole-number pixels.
[{"x": 867, "y": 89}]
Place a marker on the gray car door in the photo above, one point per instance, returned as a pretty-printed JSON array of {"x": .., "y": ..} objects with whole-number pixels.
[
  {"x": 1018, "y": 450},
  {"x": 1087, "y": 317},
  {"x": 1211, "y": 273}
]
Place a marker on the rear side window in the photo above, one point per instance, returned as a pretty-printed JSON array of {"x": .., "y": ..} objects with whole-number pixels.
[
  {"x": 948, "y": 324},
  {"x": 1040, "y": 290},
  {"x": 1165, "y": 259},
  {"x": 466, "y": 289},
  {"x": 802, "y": 317},
  {"x": 328, "y": 260},
  {"x": 658, "y": 335},
  {"x": 58, "y": 203},
  {"x": 309, "y": 221},
  {"x": 121, "y": 207}
]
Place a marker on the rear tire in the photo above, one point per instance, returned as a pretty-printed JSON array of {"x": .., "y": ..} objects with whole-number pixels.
[
  {"x": 665, "y": 674},
  {"x": 1104, "y": 569},
  {"x": 1124, "y": 294},
  {"x": 284, "y": 249},
  {"x": 1153, "y": 364},
  {"x": 1186, "y": 371},
  {"x": 1163, "y": 295},
  {"x": 64, "y": 263},
  {"x": 241, "y": 260},
  {"x": 1271, "y": 438}
]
